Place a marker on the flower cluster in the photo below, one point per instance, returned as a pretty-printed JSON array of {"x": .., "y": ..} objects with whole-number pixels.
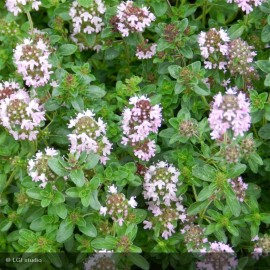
[
  {"x": 145, "y": 50},
  {"x": 214, "y": 47},
  {"x": 262, "y": 246},
  {"x": 194, "y": 237},
  {"x": 39, "y": 169},
  {"x": 218, "y": 256},
  {"x": 117, "y": 206},
  {"x": 240, "y": 58},
  {"x": 101, "y": 260},
  {"x": 188, "y": 128},
  {"x": 247, "y": 5},
  {"x": 130, "y": 19},
  {"x": 7, "y": 88},
  {"x": 32, "y": 61},
  {"x": 16, "y": 6},
  {"x": 21, "y": 115},
  {"x": 89, "y": 135},
  {"x": 239, "y": 188},
  {"x": 159, "y": 188},
  {"x": 229, "y": 111},
  {"x": 138, "y": 122},
  {"x": 86, "y": 20},
  {"x": 10, "y": 29}
]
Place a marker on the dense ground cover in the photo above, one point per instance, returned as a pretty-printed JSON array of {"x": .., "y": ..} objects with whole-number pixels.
[{"x": 134, "y": 134}]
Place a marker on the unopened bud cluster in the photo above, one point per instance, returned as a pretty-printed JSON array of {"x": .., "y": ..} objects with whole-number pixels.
[
  {"x": 214, "y": 47},
  {"x": 17, "y": 6},
  {"x": 262, "y": 246},
  {"x": 194, "y": 237},
  {"x": 131, "y": 19},
  {"x": 10, "y": 29},
  {"x": 138, "y": 123},
  {"x": 89, "y": 135},
  {"x": 188, "y": 128},
  {"x": 239, "y": 188},
  {"x": 229, "y": 111},
  {"x": 145, "y": 50},
  {"x": 21, "y": 115},
  {"x": 218, "y": 256},
  {"x": 100, "y": 261},
  {"x": 240, "y": 59},
  {"x": 86, "y": 20},
  {"x": 159, "y": 189},
  {"x": 231, "y": 153},
  {"x": 117, "y": 206},
  {"x": 39, "y": 169},
  {"x": 170, "y": 32},
  {"x": 247, "y": 5},
  {"x": 247, "y": 146},
  {"x": 32, "y": 61}
]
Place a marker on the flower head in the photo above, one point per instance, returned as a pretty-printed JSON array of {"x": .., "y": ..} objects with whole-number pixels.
[
  {"x": 17, "y": 6},
  {"x": 145, "y": 50},
  {"x": 21, "y": 115},
  {"x": 247, "y": 5},
  {"x": 32, "y": 61},
  {"x": 89, "y": 135},
  {"x": 229, "y": 111},
  {"x": 86, "y": 20},
  {"x": 39, "y": 169},
  {"x": 130, "y": 18}
]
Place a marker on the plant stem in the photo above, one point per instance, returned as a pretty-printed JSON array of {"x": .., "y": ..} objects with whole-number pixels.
[
  {"x": 205, "y": 101},
  {"x": 30, "y": 22},
  {"x": 170, "y": 8},
  {"x": 194, "y": 191},
  {"x": 10, "y": 179},
  {"x": 204, "y": 13},
  {"x": 206, "y": 207}
]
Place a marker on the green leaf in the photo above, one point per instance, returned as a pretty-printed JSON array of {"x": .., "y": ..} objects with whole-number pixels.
[
  {"x": 91, "y": 161},
  {"x": 139, "y": 261},
  {"x": 61, "y": 210},
  {"x": 38, "y": 225},
  {"x": 89, "y": 229},
  {"x": 201, "y": 89},
  {"x": 56, "y": 167},
  {"x": 85, "y": 3},
  {"x": 196, "y": 207},
  {"x": 207, "y": 192},
  {"x": 236, "y": 31},
  {"x": 182, "y": 26},
  {"x": 77, "y": 177},
  {"x": 65, "y": 231},
  {"x": 265, "y": 35},
  {"x": 267, "y": 80},
  {"x": 45, "y": 202},
  {"x": 186, "y": 52},
  {"x": 232, "y": 229},
  {"x": 108, "y": 243},
  {"x": 111, "y": 54},
  {"x": 160, "y": 8},
  {"x": 55, "y": 259},
  {"x": 5, "y": 225},
  {"x": 232, "y": 202},
  {"x": 236, "y": 170},
  {"x": 263, "y": 65},
  {"x": 94, "y": 203},
  {"x": 34, "y": 193},
  {"x": 265, "y": 218},
  {"x": 67, "y": 49},
  {"x": 264, "y": 131},
  {"x": 94, "y": 91},
  {"x": 73, "y": 192},
  {"x": 174, "y": 71},
  {"x": 206, "y": 173}
]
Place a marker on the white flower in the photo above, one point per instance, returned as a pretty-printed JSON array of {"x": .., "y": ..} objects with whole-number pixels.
[{"x": 132, "y": 202}]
